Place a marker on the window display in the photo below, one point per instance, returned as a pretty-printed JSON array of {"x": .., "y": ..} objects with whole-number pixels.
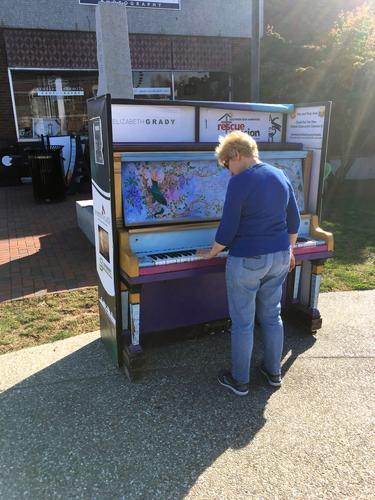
[
  {"x": 201, "y": 85},
  {"x": 54, "y": 102},
  {"x": 48, "y": 103},
  {"x": 152, "y": 84}
]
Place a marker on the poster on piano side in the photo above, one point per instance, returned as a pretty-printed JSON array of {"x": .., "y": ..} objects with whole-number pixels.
[
  {"x": 106, "y": 246},
  {"x": 261, "y": 126},
  {"x": 103, "y": 240}
]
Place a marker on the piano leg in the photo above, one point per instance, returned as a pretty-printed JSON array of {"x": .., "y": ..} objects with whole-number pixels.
[
  {"x": 300, "y": 306},
  {"x": 297, "y": 279},
  {"x": 133, "y": 355},
  {"x": 291, "y": 288},
  {"x": 134, "y": 319},
  {"x": 316, "y": 276}
]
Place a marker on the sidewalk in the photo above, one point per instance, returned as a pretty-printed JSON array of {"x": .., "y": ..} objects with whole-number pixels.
[
  {"x": 72, "y": 426},
  {"x": 41, "y": 247}
]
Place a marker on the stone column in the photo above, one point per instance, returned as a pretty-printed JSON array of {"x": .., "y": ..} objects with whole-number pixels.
[{"x": 113, "y": 50}]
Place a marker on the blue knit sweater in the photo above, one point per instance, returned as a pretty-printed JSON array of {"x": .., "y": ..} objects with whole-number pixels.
[{"x": 260, "y": 210}]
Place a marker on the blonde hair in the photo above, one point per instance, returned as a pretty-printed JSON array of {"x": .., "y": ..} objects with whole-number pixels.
[{"x": 236, "y": 142}]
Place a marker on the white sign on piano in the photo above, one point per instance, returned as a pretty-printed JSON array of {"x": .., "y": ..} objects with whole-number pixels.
[
  {"x": 306, "y": 125},
  {"x": 132, "y": 123},
  {"x": 261, "y": 126}
]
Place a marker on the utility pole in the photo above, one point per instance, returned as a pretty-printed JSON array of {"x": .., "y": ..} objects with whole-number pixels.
[
  {"x": 113, "y": 50},
  {"x": 256, "y": 33}
]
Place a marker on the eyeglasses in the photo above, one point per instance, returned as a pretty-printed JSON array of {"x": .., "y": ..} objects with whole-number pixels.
[{"x": 226, "y": 164}]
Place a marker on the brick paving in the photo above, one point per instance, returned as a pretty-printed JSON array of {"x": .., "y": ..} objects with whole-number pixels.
[{"x": 41, "y": 247}]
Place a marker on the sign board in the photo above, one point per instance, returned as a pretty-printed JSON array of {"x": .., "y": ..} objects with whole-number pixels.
[
  {"x": 66, "y": 91},
  {"x": 166, "y": 4},
  {"x": 106, "y": 247},
  {"x": 143, "y": 123},
  {"x": 306, "y": 125},
  {"x": 152, "y": 90},
  {"x": 309, "y": 125},
  {"x": 261, "y": 126}
]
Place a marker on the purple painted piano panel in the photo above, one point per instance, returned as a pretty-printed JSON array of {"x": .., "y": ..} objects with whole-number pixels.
[{"x": 176, "y": 303}]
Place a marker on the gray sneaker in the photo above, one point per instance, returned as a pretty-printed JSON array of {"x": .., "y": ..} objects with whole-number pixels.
[
  {"x": 226, "y": 380},
  {"x": 272, "y": 379}
]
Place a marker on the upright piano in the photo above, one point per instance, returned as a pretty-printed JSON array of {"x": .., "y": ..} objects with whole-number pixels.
[
  {"x": 158, "y": 194},
  {"x": 170, "y": 203}
]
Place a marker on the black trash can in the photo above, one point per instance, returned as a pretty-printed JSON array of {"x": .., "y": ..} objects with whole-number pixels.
[
  {"x": 11, "y": 166},
  {"x": 47, "y": 171}
]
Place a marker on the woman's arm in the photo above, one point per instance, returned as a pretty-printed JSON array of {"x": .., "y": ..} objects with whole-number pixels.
[{"x": 231, "y": 216}]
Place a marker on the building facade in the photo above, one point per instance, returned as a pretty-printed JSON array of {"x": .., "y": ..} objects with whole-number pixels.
[{"x": 48, "y": 64}]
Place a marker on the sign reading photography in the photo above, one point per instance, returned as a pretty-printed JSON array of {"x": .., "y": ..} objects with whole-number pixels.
[{"x": 168, "y": 4}]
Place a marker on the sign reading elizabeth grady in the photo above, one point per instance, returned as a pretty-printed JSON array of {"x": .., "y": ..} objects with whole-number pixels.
[
  {"x": 143, "y": 123},
  {"x": 168, "y": 4}
]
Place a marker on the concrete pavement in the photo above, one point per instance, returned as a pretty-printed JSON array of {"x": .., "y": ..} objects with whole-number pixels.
[{"x": 73, "y": 427}]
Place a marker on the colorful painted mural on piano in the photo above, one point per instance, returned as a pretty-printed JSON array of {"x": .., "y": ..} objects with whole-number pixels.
[
  {"x": 165, "y": 189},
  {"x": 292, "y": 168}
]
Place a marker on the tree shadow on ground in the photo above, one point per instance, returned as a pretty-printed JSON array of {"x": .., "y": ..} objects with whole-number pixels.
[{"x": 79, "y": 429}]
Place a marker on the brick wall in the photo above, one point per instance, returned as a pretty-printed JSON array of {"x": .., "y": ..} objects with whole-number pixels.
[
  {"x": 7, "y": 128},
  {"x": 69, "y": 49}
]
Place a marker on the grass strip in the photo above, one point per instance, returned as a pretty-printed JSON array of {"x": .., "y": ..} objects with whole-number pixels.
[
  {"x": 38, "y": 320},
  {"x": 350, "y": 216}
]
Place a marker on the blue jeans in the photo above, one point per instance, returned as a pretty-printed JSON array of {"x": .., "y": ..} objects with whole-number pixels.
[{"x": 255, "y": 283}]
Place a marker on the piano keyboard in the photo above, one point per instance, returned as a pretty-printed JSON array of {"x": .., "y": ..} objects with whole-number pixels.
[
  {"x": 166, "y": 258},
  {"x": 179, "y": 260},
  {"x": 303, "y": 242}
]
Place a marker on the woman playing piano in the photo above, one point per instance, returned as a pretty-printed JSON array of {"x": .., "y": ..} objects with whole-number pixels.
[{"x": 259, "y": 226}]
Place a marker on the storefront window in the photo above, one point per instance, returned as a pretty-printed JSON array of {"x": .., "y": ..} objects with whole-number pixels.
[
  {"x": 201, "y": 85},
  {"x": 54, "y": 103},
  {"x": 51, "y": 103},
  {"x": 152, "y": 84}
]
